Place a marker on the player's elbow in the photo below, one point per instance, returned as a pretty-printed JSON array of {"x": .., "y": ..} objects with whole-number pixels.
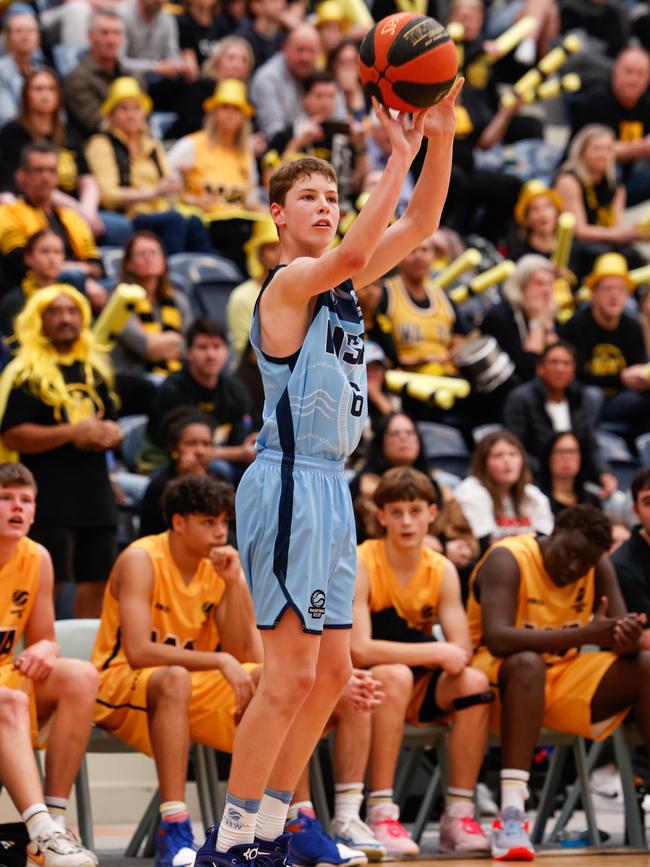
[
  {"x": 497, "y": 643},
  {"x": 360, "y": 656},
  {"x": 135, "y": 652},
  {"x": 353, "y": 259}
]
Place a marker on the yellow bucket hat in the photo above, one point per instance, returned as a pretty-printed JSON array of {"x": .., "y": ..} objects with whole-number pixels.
[
  {"x": 329, "y": 12},
  {"x": 610, "y": 265},
  {"x": 264, "y": 232},
  {"x": 230, "y": 91},
  {"x": 531, "y": 190},
  {"x": 123, "y": 88}
]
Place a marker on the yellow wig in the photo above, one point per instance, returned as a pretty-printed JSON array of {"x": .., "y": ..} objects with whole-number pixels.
[{"x": 37, "y": 361}]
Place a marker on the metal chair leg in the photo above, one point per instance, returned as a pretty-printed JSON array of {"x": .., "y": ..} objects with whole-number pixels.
[
  {"x": 573, "y": 793},
  {"x": 406, "y": 768},
  {"x": 148, "y": 820},
  {"x": 634, "y": 828},
  {"x": 218, "y": 799},
  {"x": 317, "y": 787},
  {"x": 84, "y": 807},
  {"x": 549, "y": 791},
  {"x": 203, "y": 786},
  {"x": 580, "y": 756}
]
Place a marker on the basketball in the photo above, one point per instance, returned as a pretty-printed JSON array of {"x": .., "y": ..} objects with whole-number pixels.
[{"x": 407, "y": 61}]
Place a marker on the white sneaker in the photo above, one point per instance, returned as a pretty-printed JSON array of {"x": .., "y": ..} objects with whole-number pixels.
[
  {"x": 357, "y": 835},
  {"x": 351, "y": 857},
  {"x": 88, "y": 852},
  {"x": 58, "y": 850},
  {"x": 607, "y": 789}
]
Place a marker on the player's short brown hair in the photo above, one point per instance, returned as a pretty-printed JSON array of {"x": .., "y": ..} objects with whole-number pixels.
[
  {"x": 404, "y": 483},
  {"x": 287, "y": 175},
  {"x": 197, "y": 495},
  {"x": 16, "y": 475}
]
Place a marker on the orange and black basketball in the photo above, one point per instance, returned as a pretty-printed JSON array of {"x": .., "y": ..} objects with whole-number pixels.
[{"x": 408, "y": 61}]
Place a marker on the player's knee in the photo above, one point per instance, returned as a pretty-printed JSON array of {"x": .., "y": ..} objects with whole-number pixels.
[
  {"x": 14, "y": 708},
  {"x": 79, "y": 679},
  {"x": 171, "y": 683},
  {"x": 396, "y": 679},
  {"x": 526, "y": 668},
  {"x": 472, "y": 681}
]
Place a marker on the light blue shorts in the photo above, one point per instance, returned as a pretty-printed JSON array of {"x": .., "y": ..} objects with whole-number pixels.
[{"x": 297, "y": 540}]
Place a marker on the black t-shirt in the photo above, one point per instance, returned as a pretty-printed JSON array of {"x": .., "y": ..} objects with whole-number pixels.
[
  {"x": 632, "y": 564},
  {"x": 602, "y": 354},
  {"x": 200, "y": 39},
  {"x": 628, "y": 124},
  {"x": 229, "y": 403},
  {"x": 264, "y": 47},
  {"x": 74, "y": 489},
  {"x": 72, "y": 163}
]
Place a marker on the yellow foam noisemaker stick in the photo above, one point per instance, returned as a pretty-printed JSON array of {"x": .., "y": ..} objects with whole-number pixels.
[
  {"x": 456, "y": 31},
  {"x": 356, "y": 12},
  {"x": 119, "y": 307},
  {"x": 553, "y": 87},
  {"x": 529, "y": 81},
  {"x": 640, "y": 275},
  {"x": 509, "y": 98},
  {"x": 566, "y": 224},
  {"x": 558, "y": 56},
  {"x": 423, "y": 385},
  {"x": 496, "y": 274},
  {"x": 511, "y": 37},
  {"x": 470, "y": 258}
]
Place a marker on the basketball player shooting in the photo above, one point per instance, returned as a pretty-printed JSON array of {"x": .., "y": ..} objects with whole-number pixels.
[{"x": 294, "y": 513}]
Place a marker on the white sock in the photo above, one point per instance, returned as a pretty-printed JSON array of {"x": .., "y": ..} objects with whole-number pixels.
[
  {"x": 56, "y": 808},
  {"x": 39, "y": 822},
  {"x": 237, "y": 823},
  {"x": 460, "y": 796},
  {"x": 297, "y": 806},
  {"x": 347, "y": 800},
  {"x": 174, "y": 811},
  {"x": 272, "y": 816},
  {"x": 514, "y": 788}
]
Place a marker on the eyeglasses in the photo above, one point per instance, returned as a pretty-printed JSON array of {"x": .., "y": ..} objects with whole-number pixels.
[{"x": 393, "y": 434}]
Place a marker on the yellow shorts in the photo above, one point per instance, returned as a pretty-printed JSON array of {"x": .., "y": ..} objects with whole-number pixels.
[
  {"x": 121, "y": 707},
  {"x": 11, "y": 678},
  {"x": 570, "y": 687}
]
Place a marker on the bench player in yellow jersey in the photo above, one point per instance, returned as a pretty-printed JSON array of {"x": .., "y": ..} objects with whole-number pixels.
[
  {"x": 37, "y": 688},
  {"x": 534, "y": 602},
  {"x": 403, "y": 588},
  {"x": 176, "y": 647}
]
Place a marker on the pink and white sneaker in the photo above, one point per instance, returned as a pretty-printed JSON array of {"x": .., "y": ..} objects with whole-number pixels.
[
  {"x": 460, "y": 832},
  {"x": 383, "y": 821}
]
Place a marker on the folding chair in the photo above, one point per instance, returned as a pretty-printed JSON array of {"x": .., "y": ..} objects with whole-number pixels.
[{"x": 421, "y": 743}]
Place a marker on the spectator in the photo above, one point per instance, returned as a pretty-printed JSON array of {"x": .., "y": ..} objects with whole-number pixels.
[
  {"x": 632, "y": 560},
  {"x": 377, "y": 326},
  {"x": 607, "y": 24},
  {"x": 276, "y": 88},
  {"x": 152, "y": 50},
  {"x": 41, "y": 119},
  {"x": 330, "y": 23},
  {"x": 173, "y": 599},
  {"x": 68, "y": 22},
  {"x": 262, "y": 256},
  {"x": 37, "y": 179},
  {"x": 343, "y": 63},
  {"x": 497, "y": 497},
  {"x": 37, "y": 688},
  {"x": 133, "y": 174},
  {"x": 316, "y": 133},
  {"x": 85, "y": 88},
  {"x": 561, "y": 474},
  {"x": 44, "y": 258},
  {"x": 217, "y": 168},
  {"x": 188, "y": 433},
  {"x": 380, "y": 401},
  {"x": 198, "y": 33},
  {"x": 204, "y": 383},
  {"x": 523, "y": 322},
  {"x": 151, "y": 343},
  {"x": 421, "y": 677},
  {"x": 21, "y": 43},
  {"x": 425, "y": 325},
  {"x": 624, "y": 107},
  {"x": 589, "y": 188},
  {"x": 554, "y": 402},
  {"x": 265, "y": 28},
  {"x": 610, "y": 347},
  {"x": 59, "y": 417},
  {"x": 232, "y": 58}
]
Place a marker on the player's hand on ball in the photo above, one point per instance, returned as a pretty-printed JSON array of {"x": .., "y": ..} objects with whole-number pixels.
[
  {"x": 226, "y": 562},
  {"x": 405, "y": 134},
  {"x": 240, "y": 680},
  {"x": 440, "y": 119}
]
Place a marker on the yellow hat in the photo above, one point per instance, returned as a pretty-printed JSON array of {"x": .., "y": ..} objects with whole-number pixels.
[
  {"x": 230, "y": 91},
  {"x": 329, "y": 12},
  {"x": 264, "y": 232},
  {"x": 531, "y": 190},
  {"x": 123, "y": 88},
  {"x": 610, "y": 265}
]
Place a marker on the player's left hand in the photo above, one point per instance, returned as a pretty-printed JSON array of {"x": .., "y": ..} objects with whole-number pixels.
[
  {"x": 405, "y": 134},
  {"x": 226, "y": 562},
  {"x": 364, "y": 690},
  {"x": 440, "y": 119},
  {"x": 37, "y": 661},
  {"x": 628, "y": 633}
]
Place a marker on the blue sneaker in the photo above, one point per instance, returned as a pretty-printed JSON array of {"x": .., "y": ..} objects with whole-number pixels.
[
  {"x": 209, "y": 856},
  {"x": 176, "y": 847},
  {"x": 273, "y": 853},
  {"x": 311, "y": 847}
]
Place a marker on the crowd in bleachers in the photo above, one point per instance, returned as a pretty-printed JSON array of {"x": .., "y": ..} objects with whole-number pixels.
[{"x": 137, "y": 141}]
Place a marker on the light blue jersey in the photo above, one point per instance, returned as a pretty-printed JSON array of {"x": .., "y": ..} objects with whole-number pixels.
[
  {"x": 295, "y": 524},
  {"x": 316, "y": 400}
]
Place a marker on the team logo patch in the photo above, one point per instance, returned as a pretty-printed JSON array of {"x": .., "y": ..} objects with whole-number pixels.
[{"x": 317, "y": 607}]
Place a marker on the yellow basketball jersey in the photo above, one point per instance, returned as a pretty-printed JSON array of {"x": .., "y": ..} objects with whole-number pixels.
[
  {"x": 419, "y": 332},
  {"x": 181, "y": 614},
  {"x": 417, "y": 602},
  {"x": 541, "y": 603},
  {"x": 18, "y": 586}
]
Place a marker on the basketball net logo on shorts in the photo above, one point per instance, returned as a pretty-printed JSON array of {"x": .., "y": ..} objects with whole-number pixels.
[{"x": 317, "y": 607}]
